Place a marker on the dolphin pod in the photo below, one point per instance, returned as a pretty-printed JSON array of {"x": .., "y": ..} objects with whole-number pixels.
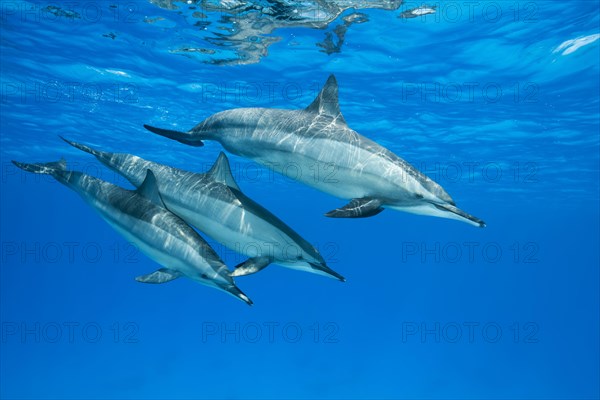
[
  {"x": 215, "y": 205},
  {"x": 141, "y": 217},
  {"x": 156, "y": 215},
  {"x": 317, "y": 138}
]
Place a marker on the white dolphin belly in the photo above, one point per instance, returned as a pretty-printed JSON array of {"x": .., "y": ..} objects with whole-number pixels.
[
  {"x": 339, "y": 169},
  {"x": 167, "y": 250}
]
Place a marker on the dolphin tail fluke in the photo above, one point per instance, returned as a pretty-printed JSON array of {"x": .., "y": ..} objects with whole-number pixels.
[
  {"x": 182, "y": 137},
  {"x": 43, "y": 168},
  {"x": 83, "y": 147},
  {"x": 461, "y": 214}
]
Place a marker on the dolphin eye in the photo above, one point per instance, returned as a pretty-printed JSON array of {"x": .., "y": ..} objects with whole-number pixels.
[
  {"x": 419, "y": 196},
  {"x": 204, "y": 276}
]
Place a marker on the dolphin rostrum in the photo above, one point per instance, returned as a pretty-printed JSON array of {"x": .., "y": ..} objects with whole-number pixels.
[
  {"x": 141, "y": 217},
  {"x": 318, "y": 138},
  {"x": 213, "y": 203}
]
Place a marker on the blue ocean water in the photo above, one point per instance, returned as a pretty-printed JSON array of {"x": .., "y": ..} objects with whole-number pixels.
[{"x": 496, "y": 101}]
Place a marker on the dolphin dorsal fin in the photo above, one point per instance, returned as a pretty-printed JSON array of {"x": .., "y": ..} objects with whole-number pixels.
[
  {"x": 327, "y": 102},
  {"x": 221, "y": 172},
  {"x": 149, "y": 189}
]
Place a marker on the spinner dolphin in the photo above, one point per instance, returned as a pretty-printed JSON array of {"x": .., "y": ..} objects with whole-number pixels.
[
  {"x": 141, "y": 217},
  {"x": 368, "y": 174},
  {"x": 213, "y": 203}
]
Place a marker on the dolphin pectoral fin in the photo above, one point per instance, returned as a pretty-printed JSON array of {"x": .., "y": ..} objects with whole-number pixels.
[
  {"x": 455, "y": 210},
  {"x": 251, "y": 266},
  {"x": 162, "y": 275},
  {"x": 182, "y": 137},
  {"x": 358, "y": 208}
]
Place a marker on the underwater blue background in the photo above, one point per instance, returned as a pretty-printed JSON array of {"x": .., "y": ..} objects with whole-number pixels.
[{"x": 486, "y": 103}]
